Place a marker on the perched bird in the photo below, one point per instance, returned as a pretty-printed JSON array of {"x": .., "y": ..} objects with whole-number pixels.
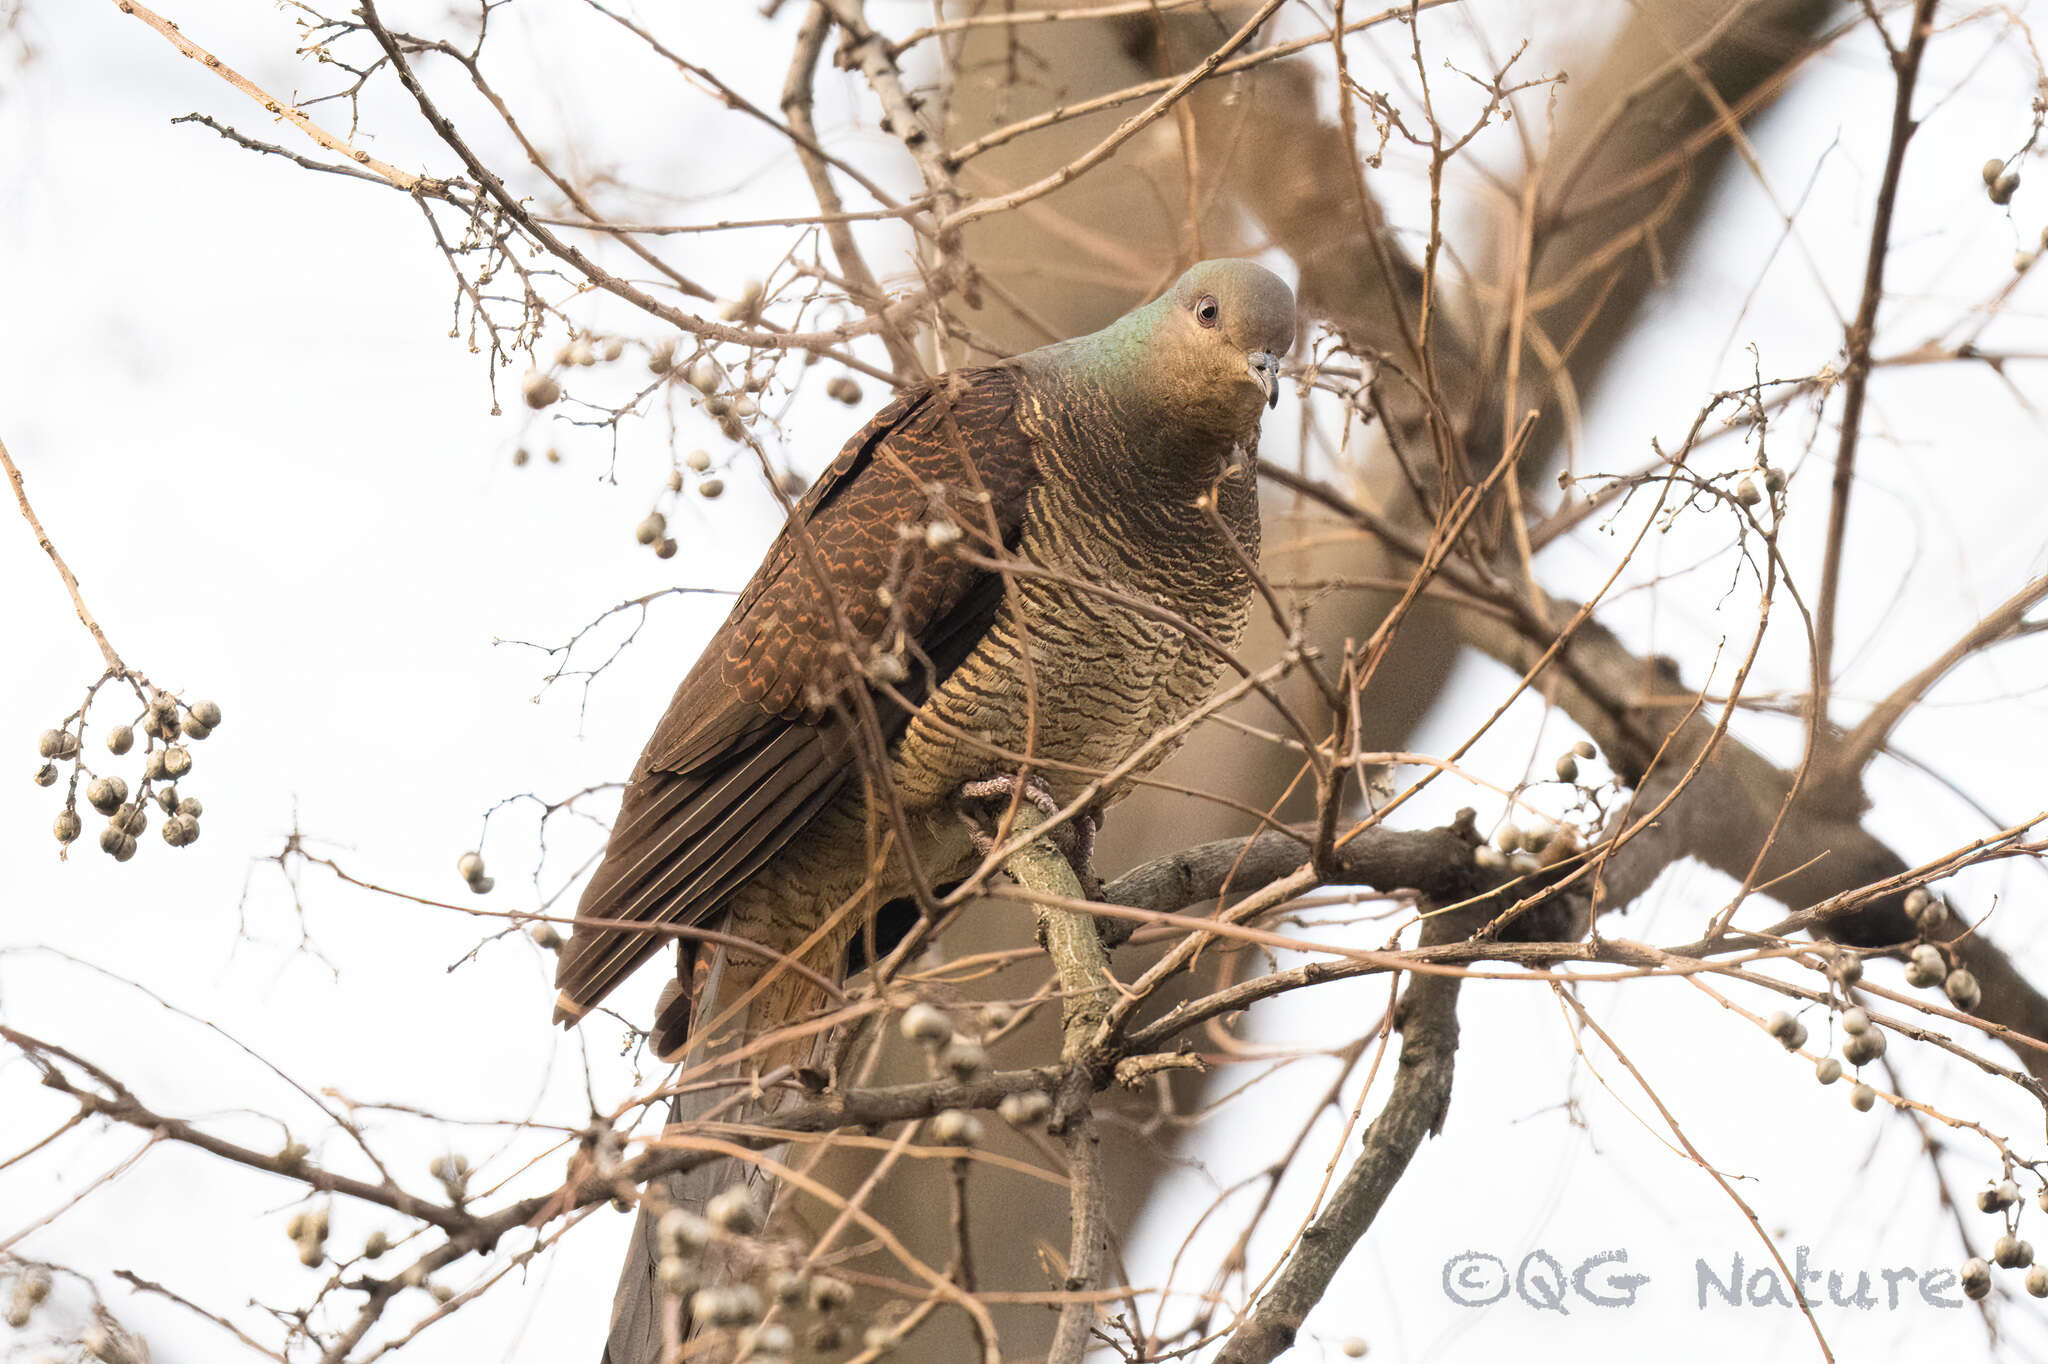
[{"x": 989, "y": 588}]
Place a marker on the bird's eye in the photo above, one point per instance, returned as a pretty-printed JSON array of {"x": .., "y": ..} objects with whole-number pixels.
[{"x": 1207, "y": 310}]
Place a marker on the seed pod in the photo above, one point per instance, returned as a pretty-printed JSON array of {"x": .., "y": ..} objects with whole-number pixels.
[
  {"x": 953, "y": 1127},
  {"x": 1855, "y": 1019},
  {"x": 711, "y": 487},
  {"x": 697, "y": 461},
  {"x": 520, "y": 459},
  {"x": 579, "y": 353},
  {"x": 2008, "y": 1193},
  {"x": 1863, "y": 1048},
  {"x": 923, "y": 1023},
  {"x": 830, "y": 1295},
  {"x": 716, "y": 405},
  {"x": 1585, "y": 749},
  {"x": 1774, "y": 481},
  {"x": 375, "y": 1244},
  {"x": 662, "y": 358},
  {"x": 1992, "y": 1199},
  {"x": 190, "y": 807},
  {"x": 1976, "y": 1278},
  {"x": 194, "y": 730},
  {"x": 540, "y": 390},
  {"x": 130, "y": 819},
  {"x": 666, "y": 549},
  {"x": 206, "y": 713},
  {"x": 1568, "y": 768},
  {"x": 704, "y": 376},
  {"x": 1827, "y": 1070},
  {"x": 67, "y": 826},
  {"x": 1024, "y": 1110},
  {"x": 120, "y": 739},
  {"x": 152, "y": 725},
  {"x": 177, "y": 761},
  {"x": 611, "y": 348},
  {"x": 964, "y": 1057},
  {"x": 1862, "y": 1098},
  {"x": 651, "y": 528},
  {"x": 1796, "y": 1039},
  {"x": 554, "y": 455},
  {"x": 1780, "y": 1024},
  {"x": 732, "y": 1209},
  {"x": 676, "y": 1274},
  {"x": 177, "y": 832},
  {"x": 1846, "y": 967},
  {"x": 1962, "y": 991},
  {"x": 769, "y": 1343},
  {"x": 46, "y": 775},
  {"x": 2004, "y": 187},
  {"x": 2037, "y": 1281},
  {"x": 2012, "y": 1253},
  {"x": 1926, "y": 966},
  {"x": 105, "y": 794},
  {"x": 167, "y": 799},
  {"x": 50, "y": 743},
  {"x": 1486, "y": 857},
  {"x": 681, "y": 1232},
  {"x": 483, "y": 885},
  {"x": 675, "y": 480},
  {"x": 1747, "y": 494},
  {"x": 731, "y": 1306},
  {"x": 841, "y": 389},
  {"x": 469, "y": 866},
  {"x": 788, "y": 1287},
  {"x": 1353, "y": 1348},
  {"x": 1993, "y": 168},
  {"x": 544, "y": 935}
]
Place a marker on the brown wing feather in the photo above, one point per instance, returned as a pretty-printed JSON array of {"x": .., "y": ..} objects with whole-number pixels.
[{"x": 749, "y": 750}]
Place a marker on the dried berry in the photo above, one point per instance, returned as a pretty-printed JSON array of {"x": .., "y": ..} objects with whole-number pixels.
[
  {"x": 830, "y": 1295},
  {"x": 923, "y": 1023},
  {"x": 105, "y": 794},
  {"x": 177, "y": 761},
  {"x": 1855, "y": 1020},
  {"x": 50, "y": 743},
  {"x": 1827, "y": 1070},
  {"x": 1024, "y": 1110},
  {"x": 2004, "y": 187},
  {"x": 698, "y": 461},
  {"x": 130, "y": 819},
  {"x": 1567, "y": 768},
  {"x": 1846, "y": 967},
  {"x": 1976, "y": 1278},
  {"x": 483, "y": 885},
  {"x": 965, "y": 1057},
  {"x": 544, "y": 935},
  {"x": 46, "y": 775},
  {"x": 206, "y": 713},
  {"x": 67, "y": 826},
  {"x": 1862, "y": 1098},
  {"x": 540, "y": 389},
  {"x": 666, "y": 549},
  {"x": 1926, "y": 966},
  {"x": 2012, "y": 1253},
  {"x": 841, "y": 389},
  {"x": 1962, "y": 990},
  {"x": 196, "y": 731},
  {"x": 120, "y": 739},
  {"x": 1747, "y": 494},
  {"x": 651, "y": 528},
  {"x": 1863, "y": 1048},
  {"x": 1993, "y": 168},
  {"x": 1774, "y": 481},
  {"x": 681, "y": 1232},
  {"x": 732, "y": 1209},
  {"x": 955, "y": 1127},
  {"x": 711, "y": 487},
  {"x": 470, "y": 866}
]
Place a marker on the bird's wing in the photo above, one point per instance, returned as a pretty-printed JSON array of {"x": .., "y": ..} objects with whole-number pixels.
[{"x": 751, "y": 746}]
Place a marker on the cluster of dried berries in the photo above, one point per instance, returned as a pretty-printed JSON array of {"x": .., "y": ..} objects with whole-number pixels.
[{"x": 169, "y": 726}]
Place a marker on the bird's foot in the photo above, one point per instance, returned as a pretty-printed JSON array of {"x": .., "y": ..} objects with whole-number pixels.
[{"x": 1075, "y": 838}]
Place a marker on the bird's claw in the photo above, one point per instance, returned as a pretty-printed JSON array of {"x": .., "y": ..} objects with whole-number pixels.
[{"x": 1076, "y": 838}]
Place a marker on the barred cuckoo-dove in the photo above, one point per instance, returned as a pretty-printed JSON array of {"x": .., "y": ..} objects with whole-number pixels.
[{"x": 989, "y": 580}]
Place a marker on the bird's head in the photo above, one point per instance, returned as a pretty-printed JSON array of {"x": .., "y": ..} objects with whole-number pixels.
[{"x": 1215, "y": 342}]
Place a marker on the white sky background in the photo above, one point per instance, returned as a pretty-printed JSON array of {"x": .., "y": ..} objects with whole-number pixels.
[{"x": 230, "y": 387}]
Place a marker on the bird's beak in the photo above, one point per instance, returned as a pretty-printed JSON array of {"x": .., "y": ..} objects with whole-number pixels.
[{"x": 1265, "y": 367}]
